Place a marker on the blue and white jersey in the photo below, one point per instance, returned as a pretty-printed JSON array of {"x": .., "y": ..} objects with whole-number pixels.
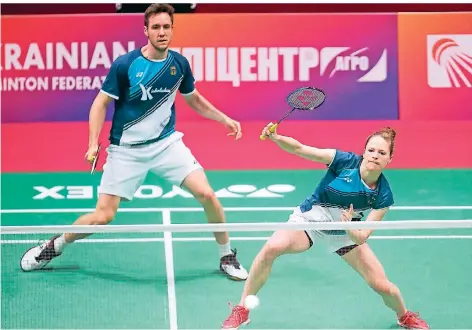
[
  {"x": 144, "y": 91},
  {"x": 342, "y": 185}
]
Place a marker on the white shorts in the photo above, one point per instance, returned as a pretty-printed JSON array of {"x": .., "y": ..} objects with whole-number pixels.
[
  {"x": 335, "y": 241},
  {"x": 126, "y": 167}
]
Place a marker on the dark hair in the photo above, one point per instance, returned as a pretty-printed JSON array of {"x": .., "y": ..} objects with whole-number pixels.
[
  {"x": 157, "y": 8},
  {"x": 388, "y": 134}
]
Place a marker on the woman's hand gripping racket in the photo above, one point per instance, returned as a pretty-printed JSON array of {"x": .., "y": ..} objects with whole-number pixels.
[
  {"x": 305, "y": 99},
  {"x": 92, "y": 157}
]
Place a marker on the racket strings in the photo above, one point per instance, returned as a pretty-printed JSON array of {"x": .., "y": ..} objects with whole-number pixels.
[{"x": 306, "y": 99}]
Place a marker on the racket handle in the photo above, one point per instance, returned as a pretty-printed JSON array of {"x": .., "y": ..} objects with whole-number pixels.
[{"x": 271, "y": 129}]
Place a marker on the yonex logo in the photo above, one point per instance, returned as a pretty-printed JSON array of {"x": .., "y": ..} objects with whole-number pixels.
[
  {"x": 155, "y": 191},
  {"x": 449, "y": 60},
  {"x": 356, "y": 60}
]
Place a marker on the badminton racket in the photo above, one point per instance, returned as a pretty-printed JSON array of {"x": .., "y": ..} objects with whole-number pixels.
[
  {"x": 305, "y": 99},
  {"x": 95, "y": 159}
]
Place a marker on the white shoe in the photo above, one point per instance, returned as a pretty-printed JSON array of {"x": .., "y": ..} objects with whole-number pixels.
[
  {"x": 230, "y": 265},
  {"x": 39, "y": 256}
]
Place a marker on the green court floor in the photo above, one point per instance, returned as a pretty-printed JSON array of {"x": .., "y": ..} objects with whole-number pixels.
[{"x": 152, "y": 281}]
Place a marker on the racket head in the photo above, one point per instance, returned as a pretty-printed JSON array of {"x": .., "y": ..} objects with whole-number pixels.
[
  {"x": 306, "y": 98},
  {"x": 95, "y": 160}
]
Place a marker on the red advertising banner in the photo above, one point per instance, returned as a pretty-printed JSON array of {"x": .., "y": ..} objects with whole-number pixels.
[
  {"x": 419, "y": 72},
  {"x": 417, "y": 145},
  {"x": 435, "y": 66}
]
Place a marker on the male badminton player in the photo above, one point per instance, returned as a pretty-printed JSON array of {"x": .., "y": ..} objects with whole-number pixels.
[
  {"x": 144, "y": 83},
  {"x": 352, "y": 185}
]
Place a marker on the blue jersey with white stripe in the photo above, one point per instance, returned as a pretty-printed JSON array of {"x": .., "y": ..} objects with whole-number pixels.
[
  {"x": 342, "y": 185},
  {"x": 144, "y": 91}
]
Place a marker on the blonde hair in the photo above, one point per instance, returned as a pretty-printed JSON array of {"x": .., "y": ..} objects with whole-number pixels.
[{"x": 388, "y": 134}]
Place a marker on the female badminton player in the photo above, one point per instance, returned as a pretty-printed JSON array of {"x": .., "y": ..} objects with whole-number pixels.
[{"x": 352, "y": 185}]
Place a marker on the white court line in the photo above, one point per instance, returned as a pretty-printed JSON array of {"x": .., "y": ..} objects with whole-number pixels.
[
  {"x": 168, "y": 248},
  {"x": 232, "y": 209},
  {"x": 211, "y": 239}
]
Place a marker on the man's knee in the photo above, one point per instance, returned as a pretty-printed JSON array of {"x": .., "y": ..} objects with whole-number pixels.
[
  {"x": 206, "y": 195},
  {"x": 104, "y": 215},
  {"x": 197, "y": 183},
  {"x": 106, "y": 210}
]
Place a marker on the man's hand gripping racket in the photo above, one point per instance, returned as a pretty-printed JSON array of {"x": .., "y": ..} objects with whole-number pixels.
[
  {"x": 92, "y": 157},
  {"x": 305, "y": 99}
]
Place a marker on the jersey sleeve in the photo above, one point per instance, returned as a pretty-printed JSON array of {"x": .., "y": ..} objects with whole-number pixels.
[
  {"x": 385, "y": 198},
  {"x": 187, "y": 86},
  {"x": 114, "y": 81},
  {"x": 342, "y": 160}
]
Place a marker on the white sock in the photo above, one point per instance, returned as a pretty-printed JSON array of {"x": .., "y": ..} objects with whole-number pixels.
[
  {"x": 60, "y": 243},
  {"x": 225, "y": 249}
]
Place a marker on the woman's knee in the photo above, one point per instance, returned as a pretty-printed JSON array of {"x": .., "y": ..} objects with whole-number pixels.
[
  {"x": 283, "y": 242},
  {"x": 382, "y": 286},
  {"x": 272, "y": 250}
]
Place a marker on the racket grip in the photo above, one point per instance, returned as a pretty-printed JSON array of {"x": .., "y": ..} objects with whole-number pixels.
[{"x": 271, "y": 129}]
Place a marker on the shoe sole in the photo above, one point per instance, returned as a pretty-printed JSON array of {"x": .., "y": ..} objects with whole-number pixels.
[
  {"x": 405, "y": 327},
  {"x": 234, "y": 278},
  {"x": 33, "y": 269},
  {"x": 244, "y": 323}
]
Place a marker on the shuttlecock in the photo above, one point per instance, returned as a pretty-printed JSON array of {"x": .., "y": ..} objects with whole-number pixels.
[{"x": 251, "y": 302}]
